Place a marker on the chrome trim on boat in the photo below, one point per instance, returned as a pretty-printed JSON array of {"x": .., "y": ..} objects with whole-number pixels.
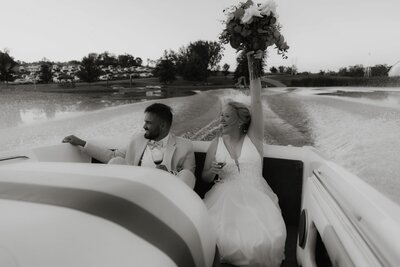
[
  {"x": 353, "y": 217},
  {"x": 14, "y": 157}
]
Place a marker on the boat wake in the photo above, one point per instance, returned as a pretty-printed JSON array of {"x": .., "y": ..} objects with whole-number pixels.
[
  {"x": 354, "y": 130},
  {"x": 206, "y": 133}
]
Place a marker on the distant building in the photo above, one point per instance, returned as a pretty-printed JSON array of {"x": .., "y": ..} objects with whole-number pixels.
[
  {"x": 32, "y": 68},
  {"x": 55, "y": 67},
  {"x": 395, "y": 70},
  {"x": 21, "y": 69},
  {"x": 72, "y": 67}
]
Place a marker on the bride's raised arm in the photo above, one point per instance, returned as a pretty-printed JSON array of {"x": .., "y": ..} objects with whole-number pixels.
[{"x": 256, "y": 129}]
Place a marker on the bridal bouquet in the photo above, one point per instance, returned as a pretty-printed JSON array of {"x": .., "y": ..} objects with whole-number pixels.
[{"x": 253, "y": 27}]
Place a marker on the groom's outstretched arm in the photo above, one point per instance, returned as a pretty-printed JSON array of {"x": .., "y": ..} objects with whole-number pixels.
[
  {"x": 101, "y": 153},
  {"x": 96, "y": 151}
]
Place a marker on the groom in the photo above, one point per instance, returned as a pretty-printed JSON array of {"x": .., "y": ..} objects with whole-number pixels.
[{"x": 178, "y": 152}]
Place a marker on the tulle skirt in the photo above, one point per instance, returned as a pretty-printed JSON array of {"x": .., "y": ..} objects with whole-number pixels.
[{"x": 249, "y": 225}]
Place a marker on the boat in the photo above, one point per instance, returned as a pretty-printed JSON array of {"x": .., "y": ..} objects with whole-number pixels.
[{"x": 332, "y": 217}]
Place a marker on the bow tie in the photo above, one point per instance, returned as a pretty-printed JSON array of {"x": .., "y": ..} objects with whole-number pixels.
[{"x": 152, "y": 144}]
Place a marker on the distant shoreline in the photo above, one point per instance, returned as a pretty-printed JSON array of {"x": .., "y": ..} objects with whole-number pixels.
[
  {"x": 316, "y": 80},
  {"x": 214, "y": 82},
  {"x": 183, "y": 88}
]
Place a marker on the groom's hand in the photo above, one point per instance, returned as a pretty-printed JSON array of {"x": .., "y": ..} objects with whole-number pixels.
[{"x": 73, "y": 140}]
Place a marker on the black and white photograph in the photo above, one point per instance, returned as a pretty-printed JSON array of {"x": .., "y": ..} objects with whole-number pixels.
[{"x": 213, "y": 133}]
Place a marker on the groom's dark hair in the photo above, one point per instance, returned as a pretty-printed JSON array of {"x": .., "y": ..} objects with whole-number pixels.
[{"x": 162, "y": 111}]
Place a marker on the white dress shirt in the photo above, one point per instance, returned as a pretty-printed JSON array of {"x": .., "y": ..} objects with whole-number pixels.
[{"x": 147, "y": 160}]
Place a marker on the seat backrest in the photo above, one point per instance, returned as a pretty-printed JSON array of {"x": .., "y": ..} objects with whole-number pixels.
[
  {"x": 286, "y": 179},
  {"x": 284, "y": 176},
  {"x": 200, "y": 187}
]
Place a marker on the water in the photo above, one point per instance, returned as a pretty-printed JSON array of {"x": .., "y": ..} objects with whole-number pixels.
[
  {"x": 358, "y": 128},
  {"x": 19, "y": 108},
  {"x": 30, "y": 119}
]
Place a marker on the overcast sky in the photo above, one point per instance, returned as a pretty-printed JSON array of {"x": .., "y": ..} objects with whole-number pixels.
[{"x": 322, "y": 34}]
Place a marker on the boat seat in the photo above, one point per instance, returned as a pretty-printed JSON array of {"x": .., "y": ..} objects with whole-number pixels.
[{"x": 285, "y": 178}]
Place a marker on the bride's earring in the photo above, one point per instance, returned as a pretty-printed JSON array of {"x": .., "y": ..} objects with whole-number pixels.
[{"x": 244, "y": 130}]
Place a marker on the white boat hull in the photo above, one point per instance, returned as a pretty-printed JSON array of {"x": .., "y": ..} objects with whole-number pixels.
[{"x": 344, "y": 221}]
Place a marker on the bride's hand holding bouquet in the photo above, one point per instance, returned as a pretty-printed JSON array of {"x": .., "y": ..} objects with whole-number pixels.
[{"x": 252, "y": 27}]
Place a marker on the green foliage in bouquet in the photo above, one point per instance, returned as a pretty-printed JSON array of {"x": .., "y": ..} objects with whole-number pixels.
[{"x": 253, "y": 27}]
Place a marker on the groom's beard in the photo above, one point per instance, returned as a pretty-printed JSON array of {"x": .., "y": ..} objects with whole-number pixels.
[{"x": 151, "y": 134}]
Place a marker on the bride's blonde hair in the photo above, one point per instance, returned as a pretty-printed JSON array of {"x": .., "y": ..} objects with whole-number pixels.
[{"x": 243, "y": 114}]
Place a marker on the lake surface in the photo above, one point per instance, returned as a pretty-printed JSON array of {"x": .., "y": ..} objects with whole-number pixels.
[
  {"x": 29, "y": 107},
  {"x": 358, "y": 128}
]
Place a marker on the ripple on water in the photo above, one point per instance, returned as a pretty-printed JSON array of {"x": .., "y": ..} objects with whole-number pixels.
[
  {"x": 362, "y": 138},
  {"x": 109, "y": 122}
]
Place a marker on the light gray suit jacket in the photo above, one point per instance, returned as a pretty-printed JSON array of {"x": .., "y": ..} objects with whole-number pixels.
[{"x": 179, "y": 155}]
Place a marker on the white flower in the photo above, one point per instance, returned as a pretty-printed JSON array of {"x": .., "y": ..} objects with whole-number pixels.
[
  {"x": 229, "y": 13},
  {"x": 249, "y": 13},
  {"x": 267, "y": 7},
  {"x": 229, "y": 17}
]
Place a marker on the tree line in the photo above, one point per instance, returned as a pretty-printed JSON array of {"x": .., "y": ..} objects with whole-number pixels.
[
  {"x": 194, "y": 62},
  {"x": 90, "y": 67},
  {"x": 7, "y": 65},
  {"x": 379, "y": 70}
]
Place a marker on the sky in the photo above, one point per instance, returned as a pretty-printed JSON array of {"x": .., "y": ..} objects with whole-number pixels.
[{"x": 322, "y": 34}]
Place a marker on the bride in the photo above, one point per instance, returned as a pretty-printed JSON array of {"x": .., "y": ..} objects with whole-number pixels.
[{"x": 244, "y": 209}]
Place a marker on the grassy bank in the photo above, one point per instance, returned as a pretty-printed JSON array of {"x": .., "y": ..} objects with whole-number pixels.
[
  {"x": 315, "y": 80},
  {"x": 213, "y": 82}
]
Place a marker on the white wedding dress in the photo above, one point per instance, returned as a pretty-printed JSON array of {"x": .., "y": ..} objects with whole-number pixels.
[{"x": 245, "y": 211}]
